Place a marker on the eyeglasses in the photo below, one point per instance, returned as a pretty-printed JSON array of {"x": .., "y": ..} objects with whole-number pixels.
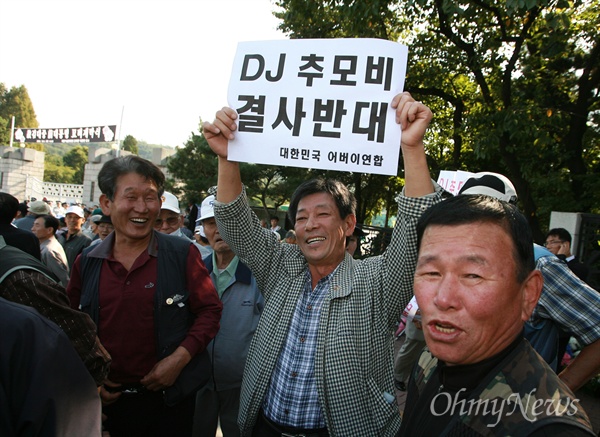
[
  {"x": 106, "y": 226},
  {"x": 552, "y": 242},
  {"x": 171, "y": 221}
]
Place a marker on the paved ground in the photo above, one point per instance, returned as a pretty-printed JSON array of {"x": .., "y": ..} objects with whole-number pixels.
[{"x": 590, "y": 404}]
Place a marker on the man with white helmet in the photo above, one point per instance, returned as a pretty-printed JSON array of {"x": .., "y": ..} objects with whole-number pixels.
[{"x": 566, "y": 302}]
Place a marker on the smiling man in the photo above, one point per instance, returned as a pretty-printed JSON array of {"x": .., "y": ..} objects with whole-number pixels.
[
  {"x": 476, "y": 285},
  {"x": 153, "y": 302},
  {"x": 320, "y": 362}
]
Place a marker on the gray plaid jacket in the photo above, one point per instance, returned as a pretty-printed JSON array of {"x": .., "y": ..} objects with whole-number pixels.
[{"x": 354, "y": 356}]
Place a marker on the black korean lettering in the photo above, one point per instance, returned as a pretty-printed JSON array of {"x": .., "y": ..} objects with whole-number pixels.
[
  {"x": 282, "y": 116},
  {"x": 254, "y": 121},
  {"x": 312, "y": 62},
  {"x": 376, "y": 129},
  {"x": 377, "y": 160},
  {"x": 332, "y": 156},
  {"x": 284, "y": 152},
  {"x": 328, "y": 111},
  {"x": 294, "y": 153},
  {"x": 305, "y": 154},
  {"x": 344, "y": 66},
  {"x": 379, "y": 71},
  {"x": 316, "y": 155},
  {"x": 355, "y": 158},
  {"x": 344, "y": 157},
  {"x": 366, "y": 159}
]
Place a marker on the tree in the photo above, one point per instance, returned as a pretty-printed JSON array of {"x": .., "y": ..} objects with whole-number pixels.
[
  {"x": 130, "y": 144},
  {"x": 15, "y": 102},
  {"x": 513, "y": 85},
  {"x": 77, "y": 158}
]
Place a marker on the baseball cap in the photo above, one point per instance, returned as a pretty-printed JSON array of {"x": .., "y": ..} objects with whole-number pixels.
[
  {"x": 38, "y": 207},
  {"x": 200, "y": 230},
  {"x": 207, "y": 209},
  {"x": 170, "y": 202},
  {"x": 74, "y": 209},
  {"x": 490, "y": 184}
]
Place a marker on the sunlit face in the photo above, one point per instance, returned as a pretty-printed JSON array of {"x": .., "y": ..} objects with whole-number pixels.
[
  {"x": 40, "y": 230},
  {"x": 320, "y": 231},
  {"x": 466, "y": 286},
  {"x": 168, "y": 221},
  {"x": 212, "y": 235},
  {"x": 73, "y": 222},
  {"x": 136, "y": 206}
]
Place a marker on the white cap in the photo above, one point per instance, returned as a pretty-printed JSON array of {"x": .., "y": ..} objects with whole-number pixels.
[
  {"x": 200, "y": 230},
  {"x": 207, "y": 209},
  {"x": 170, "y": 202},
  {"x": 490, "y": 184},
  {"x": 74, "y": 209}
]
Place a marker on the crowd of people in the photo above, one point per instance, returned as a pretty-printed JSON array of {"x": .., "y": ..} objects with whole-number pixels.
[{"x": 137, "y": 318}]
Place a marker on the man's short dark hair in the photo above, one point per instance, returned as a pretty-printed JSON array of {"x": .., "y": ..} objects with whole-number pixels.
[
  {"x": 343, "y": 198},
  {"x": 117, "y": 167},
  {"x": 561, "y": 233},
  {"x": 9, "y": 205},
  {"x": 474, "y": 208},
  {"x": 50, "y": 222}
]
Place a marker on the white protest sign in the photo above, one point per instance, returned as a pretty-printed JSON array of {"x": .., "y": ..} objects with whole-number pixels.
[
  {"x": 452, "y": 181},
  {"x": 318, "y": 103}
]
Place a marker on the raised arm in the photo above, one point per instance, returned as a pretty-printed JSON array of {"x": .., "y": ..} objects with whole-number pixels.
[
  {"x": 218, "y": 133},
  {"x": 414, "y": 117}
]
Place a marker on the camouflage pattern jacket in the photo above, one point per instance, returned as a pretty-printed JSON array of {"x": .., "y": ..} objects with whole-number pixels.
[{"x": 519, "y": 396}]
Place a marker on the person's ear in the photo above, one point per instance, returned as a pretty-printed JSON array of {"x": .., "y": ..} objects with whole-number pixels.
[
  {"x": 350, "y": 222},
  {"x": 105, "y": 204},
  {"x": 531, "y": 290}
]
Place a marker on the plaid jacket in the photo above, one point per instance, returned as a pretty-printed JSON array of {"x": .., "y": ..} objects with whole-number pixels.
[{"x": 353, "y": 361}]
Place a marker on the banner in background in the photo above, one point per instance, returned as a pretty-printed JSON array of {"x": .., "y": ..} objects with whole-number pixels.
[{"x": 94, "y": 134}]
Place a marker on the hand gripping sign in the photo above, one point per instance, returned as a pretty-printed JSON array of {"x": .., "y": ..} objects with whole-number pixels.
[{"x": 318, "y": 103}]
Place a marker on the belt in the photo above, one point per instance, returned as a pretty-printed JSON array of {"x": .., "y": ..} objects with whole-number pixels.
[{"x": 285, "y": 431}]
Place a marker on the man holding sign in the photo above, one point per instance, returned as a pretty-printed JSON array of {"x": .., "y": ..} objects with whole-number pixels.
[{"x": 320, "y": 362}]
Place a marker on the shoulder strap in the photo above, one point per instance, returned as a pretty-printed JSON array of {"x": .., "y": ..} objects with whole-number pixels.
[{"x": 13, "y": 259}]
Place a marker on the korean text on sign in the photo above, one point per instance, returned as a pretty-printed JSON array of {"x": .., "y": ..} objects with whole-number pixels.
[{"x": 318, "y": 103}]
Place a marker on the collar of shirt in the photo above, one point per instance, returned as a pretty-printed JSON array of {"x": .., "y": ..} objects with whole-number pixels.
[
  {"x": 105, "y": 250},
  {"x": 223, "y": 277},
  {"x": 292, "y": 398}
]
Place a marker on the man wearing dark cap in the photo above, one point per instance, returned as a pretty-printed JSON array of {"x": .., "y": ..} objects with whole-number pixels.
[
  {"x": 104, "y": 227},
  {"x": 566, "y": 302},
  {"x": 19, "y": 238}
]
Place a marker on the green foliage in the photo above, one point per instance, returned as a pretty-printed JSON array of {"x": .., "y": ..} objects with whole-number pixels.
[
  {"x": 55, "y": 171},
  {"x": 513, "y": 85},
  {"x": 15, "y": 102},
  {"x": 76, "y": 159},
  {"x": 130, "y": 144}
]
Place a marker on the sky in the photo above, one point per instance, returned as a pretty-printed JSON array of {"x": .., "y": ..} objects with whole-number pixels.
[{"x": 159, "y": 65}]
